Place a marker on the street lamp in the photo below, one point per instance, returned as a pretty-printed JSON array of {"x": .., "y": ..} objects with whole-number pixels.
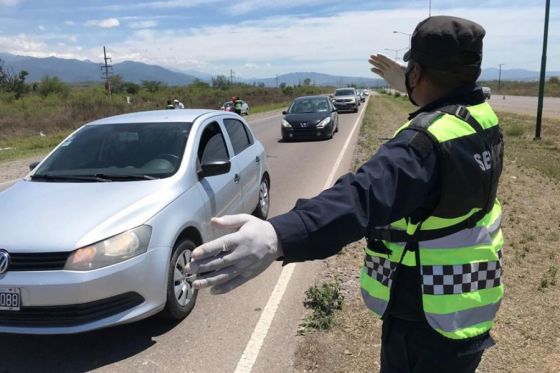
[
  {"x": 543, "y": 72},
  {"x": 405, "y": 33},
  {"x": 396, "y": 51}
]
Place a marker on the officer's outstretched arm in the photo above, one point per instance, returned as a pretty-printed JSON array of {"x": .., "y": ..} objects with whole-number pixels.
[
  {"x": 390, "y": 70},
  {"x": 231, "y": 260}
]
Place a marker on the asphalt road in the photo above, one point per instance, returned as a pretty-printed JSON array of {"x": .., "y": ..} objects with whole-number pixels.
[
  {"x": 214, "y": 337},
  {"x": 526, "y": 105}
]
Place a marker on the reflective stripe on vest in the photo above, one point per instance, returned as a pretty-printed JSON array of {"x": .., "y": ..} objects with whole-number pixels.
[{"x": 461, "y": 273}]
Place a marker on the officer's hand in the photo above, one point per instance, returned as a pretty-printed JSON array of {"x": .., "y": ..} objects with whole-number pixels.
[
  {"x": 392, "y": 71},
  {"x": 235, "y": 258}
]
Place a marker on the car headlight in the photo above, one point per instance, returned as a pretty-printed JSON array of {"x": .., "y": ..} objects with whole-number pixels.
[
  {"x": 286, "y": 124},
  {"x": 324, "y": 122},
  {"x": 110, "y": 251}
]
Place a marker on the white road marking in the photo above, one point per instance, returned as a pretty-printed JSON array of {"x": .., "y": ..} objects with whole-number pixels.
[{"x": 251, "y": 352}]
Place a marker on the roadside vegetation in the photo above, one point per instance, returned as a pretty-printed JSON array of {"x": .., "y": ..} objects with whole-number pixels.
[
  {"x": 526, "y": 330},
  {"x": 36, "y": 116},
  {"x": 323, "y": 300}
]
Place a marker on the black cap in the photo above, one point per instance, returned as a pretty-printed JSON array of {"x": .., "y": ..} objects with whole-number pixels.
[{"x": 447, "y": 43}]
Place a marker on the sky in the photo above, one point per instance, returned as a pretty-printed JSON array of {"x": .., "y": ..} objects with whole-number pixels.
[{"x": 265, "y": 38}]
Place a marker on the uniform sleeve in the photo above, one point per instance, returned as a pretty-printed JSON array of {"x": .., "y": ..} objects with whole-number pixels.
[{"x": 396, "y": 182}]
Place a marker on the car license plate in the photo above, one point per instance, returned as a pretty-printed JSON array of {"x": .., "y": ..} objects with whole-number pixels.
[{"x": 10, "y": 299}]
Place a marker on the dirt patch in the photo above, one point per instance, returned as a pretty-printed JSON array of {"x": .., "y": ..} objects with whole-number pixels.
[{"x": 527, "y": 328}]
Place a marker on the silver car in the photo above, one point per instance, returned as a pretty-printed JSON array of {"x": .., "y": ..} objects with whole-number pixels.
[{"x": 100, "y": 232}]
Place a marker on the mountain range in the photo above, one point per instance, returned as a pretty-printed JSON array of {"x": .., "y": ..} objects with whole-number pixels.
[{"x": 80, "y": 71}]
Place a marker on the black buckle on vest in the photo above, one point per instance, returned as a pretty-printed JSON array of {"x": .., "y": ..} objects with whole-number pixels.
[{"x": 462, "y": 113}]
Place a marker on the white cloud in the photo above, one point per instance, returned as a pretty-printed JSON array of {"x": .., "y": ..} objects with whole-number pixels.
[
  {"x": 22, "y": 44},
  {"x": 104, "y": 23},
  {"x": 10, "y": 2},
  {"x": 142, "y": 24},
  {"x": 69, "y": 23},
  {"x": 42, "y": 28},
  {"x": 338, "y": 44}
]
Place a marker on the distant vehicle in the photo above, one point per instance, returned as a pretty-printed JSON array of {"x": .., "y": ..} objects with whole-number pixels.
[
  {"x": 487, "y": 92},
  {"x": 361, "y": 95},
  {"x": 345, "y": 99},
  {"x": 101, "y": 231},
  {"x": 228, "y": 106},
  {"x": 312, "y": 117},
  {"x": 366, "y": 92}
]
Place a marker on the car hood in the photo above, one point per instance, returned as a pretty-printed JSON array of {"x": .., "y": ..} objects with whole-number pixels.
[
  {"x": 48, "y": 216},
  {"x": 306, "y": 117}
]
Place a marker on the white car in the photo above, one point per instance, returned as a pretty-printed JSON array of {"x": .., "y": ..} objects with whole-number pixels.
[
  {"x": 100, "y": 232},
  {"x": 228, "y": 106}
]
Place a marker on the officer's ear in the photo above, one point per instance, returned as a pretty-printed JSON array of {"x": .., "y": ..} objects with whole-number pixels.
[{"x": 414, "y": 72}]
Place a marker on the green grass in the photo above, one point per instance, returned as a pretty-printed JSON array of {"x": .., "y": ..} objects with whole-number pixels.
[
  {"x": 268, "y": 107},
  {"x": 323, "y": 300}
]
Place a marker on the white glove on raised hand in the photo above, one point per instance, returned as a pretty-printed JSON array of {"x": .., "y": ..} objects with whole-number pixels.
[
  {"x": 235, "y": 258},
  {"x": 392, "y": 71}
]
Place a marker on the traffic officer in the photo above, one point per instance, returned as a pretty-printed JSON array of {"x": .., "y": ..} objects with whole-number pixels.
[{"x": 426, "y": 202}]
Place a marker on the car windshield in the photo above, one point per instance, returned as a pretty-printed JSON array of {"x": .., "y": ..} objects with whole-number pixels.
[
  {"x": 310, "y": 105},
  {"x": 228, "y": 104},
  {"x": 344, "y": 92},
  {"x": 118, "y": 152}
]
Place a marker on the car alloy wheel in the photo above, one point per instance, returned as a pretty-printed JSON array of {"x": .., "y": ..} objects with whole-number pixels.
[
  {"x": 261, "y": 211},
  {"x": 181, "y": 296}
]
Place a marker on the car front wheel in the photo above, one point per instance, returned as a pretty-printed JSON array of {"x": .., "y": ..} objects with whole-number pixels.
[
  {"x": 261, "y": 211},
  {"x": 181, "y": 296}
]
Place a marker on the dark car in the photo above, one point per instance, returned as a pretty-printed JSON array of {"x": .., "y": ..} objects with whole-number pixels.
[{"x": 311, "y": 117}]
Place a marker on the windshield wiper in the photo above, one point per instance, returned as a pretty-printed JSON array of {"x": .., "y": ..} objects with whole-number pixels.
[
  {"x": 87, "y": 178},
  {"x": 117, "y": 177}
]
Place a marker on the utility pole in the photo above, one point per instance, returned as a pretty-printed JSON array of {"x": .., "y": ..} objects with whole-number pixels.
[
  {"x": 543, "y": 73},
  {"x": 500, "y": 76},
  {"x": 231, "y": 75},
  {"x": 106, "y": 71},
  {"x": 430, "y": 11}
]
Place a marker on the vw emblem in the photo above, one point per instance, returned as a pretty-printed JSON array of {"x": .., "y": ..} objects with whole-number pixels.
[{"x": 4, "y": 261}]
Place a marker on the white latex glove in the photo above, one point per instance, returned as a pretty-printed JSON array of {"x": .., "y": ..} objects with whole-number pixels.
[
  {"x": 235, "y": 258},
  {"x": 392, "y": 71}
]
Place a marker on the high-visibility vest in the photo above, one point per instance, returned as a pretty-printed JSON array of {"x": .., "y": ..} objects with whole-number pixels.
[{"x": 458, "y": 247}]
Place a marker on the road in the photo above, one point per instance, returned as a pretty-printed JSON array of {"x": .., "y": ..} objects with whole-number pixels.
[
  {"x": 526, "y": 105},
  {"x": 214, "y": 337}
]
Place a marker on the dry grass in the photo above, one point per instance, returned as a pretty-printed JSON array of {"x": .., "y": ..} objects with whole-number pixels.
[{"x": 526, "y": 330}]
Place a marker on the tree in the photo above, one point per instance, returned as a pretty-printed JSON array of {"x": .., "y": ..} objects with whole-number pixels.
[
  {"x": 282, "y": 85},
  {"x": 197, "y": 83},
  {"x": 131, "y": 88},
  {"x": 52, "y": 85},
  {"x": 152, "y": 86},
  {"x": 10, "y": 82},
  {"x": 307, "y": 82},
  {"x": 221, "y": 81},
  {"x": 117, "y": 83}
]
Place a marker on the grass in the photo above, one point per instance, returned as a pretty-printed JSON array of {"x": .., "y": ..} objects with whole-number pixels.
[
  {"x": 323, "y": 300},
  {"x": 542, "y": 155}
]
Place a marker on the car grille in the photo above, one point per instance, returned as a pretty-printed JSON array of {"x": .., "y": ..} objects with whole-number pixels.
[
  {"x": 37, "y": 261},
  {"x": 70, "y": 315},
  {"x": 344, "y": 100}
]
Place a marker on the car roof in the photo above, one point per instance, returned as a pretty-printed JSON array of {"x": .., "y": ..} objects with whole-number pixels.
[
  {"x": 156, "y": 116},
  {"x": 309, "y": 97}
]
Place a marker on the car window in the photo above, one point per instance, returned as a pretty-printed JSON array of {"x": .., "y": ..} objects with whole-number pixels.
[
  {"x": 239, "y": 135},
  {"x": 212, "y": 145},
  {"x": 344, "y": 92},
  {"x": 125, "y": 149}
]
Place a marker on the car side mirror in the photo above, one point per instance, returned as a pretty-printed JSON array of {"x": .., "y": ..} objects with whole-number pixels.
[
  {"x": 214, "y": 168},
  {"x": 284, "y": 112},
  {"x": 334, "y": 110},
  {"x": 33, "y": 165}
]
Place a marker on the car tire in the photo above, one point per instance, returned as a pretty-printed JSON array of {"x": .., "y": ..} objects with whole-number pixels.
[
  {"x": 178, "y": 306},
  {"x": 355, "y": 110},
  {"x": 263, "y": 204}
]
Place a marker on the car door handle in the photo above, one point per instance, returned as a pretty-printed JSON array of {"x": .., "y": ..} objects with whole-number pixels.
[
  {"x": 257, "y": 159},
  {"x": 236, "y": 178}
]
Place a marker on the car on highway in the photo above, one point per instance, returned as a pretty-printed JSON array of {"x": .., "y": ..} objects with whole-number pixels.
[
  {"x": 310, "y": 117},
  {"x": 100, "y": 232},
  {"x": 228, "y": 106},
  {"x": 345, "y": 99},
  {"x": 487, "y": 92}
]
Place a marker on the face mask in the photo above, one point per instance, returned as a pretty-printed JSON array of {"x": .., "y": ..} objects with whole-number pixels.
[{"x": 409, "y": 89}]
